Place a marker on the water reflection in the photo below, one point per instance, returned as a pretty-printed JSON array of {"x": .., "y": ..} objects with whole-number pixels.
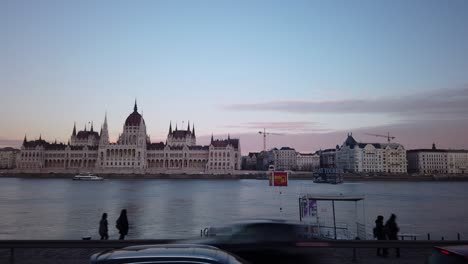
[{"x": 65, "y": 209}]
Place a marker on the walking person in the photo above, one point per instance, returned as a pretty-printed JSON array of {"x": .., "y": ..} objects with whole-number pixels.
[
  {"x": 379, "y": 233},
  {"x": 392, "y": 230},
  {"x": 103, "y": 231},
  {"x": 122, "y": 224}
]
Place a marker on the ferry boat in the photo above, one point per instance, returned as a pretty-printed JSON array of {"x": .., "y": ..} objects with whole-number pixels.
[
  {"x": 88, "y": 177},
  {"x": 328, "y": 175}
]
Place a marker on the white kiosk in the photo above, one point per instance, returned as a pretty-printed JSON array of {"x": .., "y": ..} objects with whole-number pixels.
[{"x": 309, "y": 208}]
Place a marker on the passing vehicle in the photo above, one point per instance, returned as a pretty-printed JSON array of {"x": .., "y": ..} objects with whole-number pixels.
[
  {"x": 166, "y": 254},
  {"x": 259, "y": 241},
  {"x": 254, "y": 232},
  {"x": 449, "y": 255}
]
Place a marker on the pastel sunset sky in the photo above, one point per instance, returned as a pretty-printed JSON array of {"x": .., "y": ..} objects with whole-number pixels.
[{"x": 310, "y": 70}]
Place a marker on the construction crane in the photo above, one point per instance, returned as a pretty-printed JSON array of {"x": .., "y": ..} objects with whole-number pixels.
[
  {"x": 385, "y": 136},
  {"x": 264, "y": 133}
]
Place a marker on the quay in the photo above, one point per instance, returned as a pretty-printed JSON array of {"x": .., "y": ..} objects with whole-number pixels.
[
  {"x": 319, "y": 251},
  {"x": 242, "y": 174}
]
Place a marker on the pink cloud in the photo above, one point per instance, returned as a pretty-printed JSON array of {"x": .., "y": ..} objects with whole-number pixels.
[
  {"x": 421, "y": 134},
  {"x": 286, "y": 127},
  {"x": 434, "y": 103}
]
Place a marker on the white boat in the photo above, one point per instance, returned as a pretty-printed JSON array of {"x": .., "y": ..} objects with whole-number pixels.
[{"x": 88, "y": 177}]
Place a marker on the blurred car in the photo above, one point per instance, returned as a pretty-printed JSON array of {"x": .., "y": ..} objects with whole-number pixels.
[
  {"x": 449, "y": 255},
  {"x": 259, "y": 241},
  {"x": 255, "y": 231},
  {"x": 168, "y": 253}
]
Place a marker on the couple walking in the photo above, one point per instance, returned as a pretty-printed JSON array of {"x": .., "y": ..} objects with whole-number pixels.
[
  {"x": 121, "y": 224},
  {"x": 388, "y": 231}
]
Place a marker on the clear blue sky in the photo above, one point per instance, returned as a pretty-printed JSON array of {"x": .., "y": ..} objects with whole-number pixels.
[{"x": 215, "y": 62}]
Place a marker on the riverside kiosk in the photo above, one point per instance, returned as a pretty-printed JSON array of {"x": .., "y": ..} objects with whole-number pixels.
[{"x": 308, "y": 206}]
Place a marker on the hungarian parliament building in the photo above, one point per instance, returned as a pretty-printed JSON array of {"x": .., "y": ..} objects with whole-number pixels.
[{"x": 90, "y": 151}]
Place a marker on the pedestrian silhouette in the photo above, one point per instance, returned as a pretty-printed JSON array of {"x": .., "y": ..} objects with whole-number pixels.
[
  {"x": 392, "y": 230},
  {"x": 103, "y": 231},
  {"x": 379, "y": 233},
  {"x": 122, "y": 224}
]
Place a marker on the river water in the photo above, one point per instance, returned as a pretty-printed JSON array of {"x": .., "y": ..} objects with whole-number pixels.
[{"x": 160, "y": 209}]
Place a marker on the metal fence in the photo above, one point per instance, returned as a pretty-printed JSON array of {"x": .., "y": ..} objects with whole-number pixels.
[{"x": 110, "y": 244}]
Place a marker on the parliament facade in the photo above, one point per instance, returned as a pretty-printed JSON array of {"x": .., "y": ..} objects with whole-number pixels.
[{"x": 133, "y": 152}]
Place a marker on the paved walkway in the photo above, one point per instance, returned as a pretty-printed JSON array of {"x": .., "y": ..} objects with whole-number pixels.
[{"x": 322, "y": 255}]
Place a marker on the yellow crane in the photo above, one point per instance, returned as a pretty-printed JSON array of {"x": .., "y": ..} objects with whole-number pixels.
[
  {"x": 264, "y": 133},
  {"x": 389, "y": 138}
]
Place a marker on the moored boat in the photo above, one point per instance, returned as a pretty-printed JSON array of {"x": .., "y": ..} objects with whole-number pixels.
[
  {"x": 87, "y": 177},
  {"x": 328, "y": 175}
]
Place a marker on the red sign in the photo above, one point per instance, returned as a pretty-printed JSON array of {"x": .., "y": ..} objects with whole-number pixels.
[{"x": 279, "y": 178}]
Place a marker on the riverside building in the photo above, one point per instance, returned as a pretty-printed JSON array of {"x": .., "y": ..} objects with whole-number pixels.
[
  {"x": 371, "y": 157},
  {"x": 308, "y": 161},
  {"x": 435, "y": 161},
  {"x": 133, "y": 152},
  {"x": 8, "y": 158},
  {"x": 284, "y": 158}
]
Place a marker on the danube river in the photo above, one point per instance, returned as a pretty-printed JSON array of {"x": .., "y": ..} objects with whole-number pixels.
[{"x": 160, "y": 209}]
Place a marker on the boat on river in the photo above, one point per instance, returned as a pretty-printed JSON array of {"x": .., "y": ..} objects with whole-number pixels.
[
  {"x": 328, "y": 175},
  {"x": 87, "y": 177}
]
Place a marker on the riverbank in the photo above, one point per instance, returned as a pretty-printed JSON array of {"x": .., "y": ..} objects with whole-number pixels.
[
  {"x": 239, "y": 175},
  {"x": 318, "y": 255}
]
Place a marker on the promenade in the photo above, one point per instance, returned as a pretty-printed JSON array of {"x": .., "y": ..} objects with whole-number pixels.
[
  {"x": 317, "y": 255},
  {"x": 315, "y": 251}
]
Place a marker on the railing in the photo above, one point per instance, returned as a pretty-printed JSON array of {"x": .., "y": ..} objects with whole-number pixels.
[{"x": 109, "y": 244}]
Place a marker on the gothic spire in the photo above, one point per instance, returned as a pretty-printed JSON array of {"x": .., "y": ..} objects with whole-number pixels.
[
  {"x": 25, "y": 140},
  {"x": 193, "y": 129},
  {"x": 170, "y": 127},
  {"x": 176, "y": 126},
  {"x": 85, "y": 127},
  {"x": 212, "y": 138},
  {"x": 91, "y": 126},
  {"x": 40, "y": 137},
  {"x": 229, "y": 137},
  {"x": 105, "y": 119},
  {"x": 188, "y": 126},
  {"x": 74, "y": 129},
  {"x": 135, "y": 108}
]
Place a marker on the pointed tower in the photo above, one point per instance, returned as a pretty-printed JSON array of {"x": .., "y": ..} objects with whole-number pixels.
[
  {"x": 170, "y": 127},
  {"x": 212, "y": 138},
  {"x": 74, "y": 130},
  {"x": 104, "y": 140},
  {"x": 193, "y": 130},
  {"x": 229, "y": 137},
  {"x": 85, "y": 127},
  {"x": 92, "y": 127},
  {"x": 25, "y": 140},
  {"x": 40, "y": 137},
  {"x": 188, "y": 126},
  {"x": 135, "y": 108},
  {"x": 175, "y": 126}
]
